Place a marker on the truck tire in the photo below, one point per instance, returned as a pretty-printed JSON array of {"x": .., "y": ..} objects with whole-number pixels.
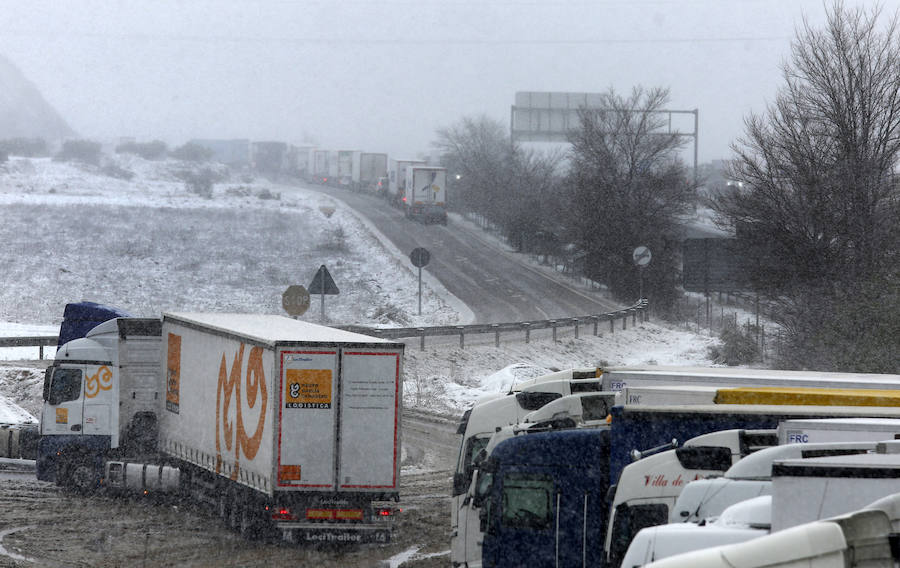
[{"x": 78, "y": 473}]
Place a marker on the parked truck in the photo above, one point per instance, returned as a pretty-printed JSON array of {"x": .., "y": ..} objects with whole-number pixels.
[
  {"x": 372, "y": 168},
  {"x": 277, "y": 424}
]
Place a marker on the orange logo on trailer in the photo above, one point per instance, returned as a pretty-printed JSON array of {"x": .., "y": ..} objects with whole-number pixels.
[
  {"x": 229, "y": 390},
  {"x": 101, "y": 380},
  {"x": 307, "y": 388}
]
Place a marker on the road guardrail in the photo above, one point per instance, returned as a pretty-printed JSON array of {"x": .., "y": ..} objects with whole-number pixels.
[{"x": 592, "y": 321}]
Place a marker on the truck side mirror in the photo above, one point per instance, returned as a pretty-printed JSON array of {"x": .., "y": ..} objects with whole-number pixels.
[{"x": 460, "y": 483}]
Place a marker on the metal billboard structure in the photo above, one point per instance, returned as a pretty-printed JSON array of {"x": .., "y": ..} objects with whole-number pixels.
[{"x": 549, "y": 117}]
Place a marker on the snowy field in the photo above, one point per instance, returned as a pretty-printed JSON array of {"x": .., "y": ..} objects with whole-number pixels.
[{"x": 149, "y": 245}]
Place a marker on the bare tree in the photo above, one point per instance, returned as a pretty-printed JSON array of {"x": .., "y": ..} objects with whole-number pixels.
[
  {"x": 820, "y": 193},
  {"x": 509, "y": 186},
  {"x": 628, "y": 188}
]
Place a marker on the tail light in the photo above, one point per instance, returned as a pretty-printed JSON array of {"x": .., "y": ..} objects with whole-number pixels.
[{"x": 281, "y": 514}]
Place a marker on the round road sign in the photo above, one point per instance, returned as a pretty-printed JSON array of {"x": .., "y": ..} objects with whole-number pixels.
[
  {"x": 295, "y": 300},
  {"x": 420, "y": 257},
  {"x": 642, "y": 256}
]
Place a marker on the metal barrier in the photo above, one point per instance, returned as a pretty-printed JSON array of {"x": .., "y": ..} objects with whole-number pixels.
[
  {"x": 640, "y": 309},
  {"x": 39, "y": 341},
  {"x": 525, "y": 327}
]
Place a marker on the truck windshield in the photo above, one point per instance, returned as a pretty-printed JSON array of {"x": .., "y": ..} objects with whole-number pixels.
[
  {"x": 527, "y": 501},
  {"x": 65, "y": 385}
]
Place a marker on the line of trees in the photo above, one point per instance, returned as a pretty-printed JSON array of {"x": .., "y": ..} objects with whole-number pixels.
[{"x": 819, "y": 193}]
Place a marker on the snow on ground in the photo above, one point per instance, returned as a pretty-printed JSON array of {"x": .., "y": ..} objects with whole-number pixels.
[{"x": 150, "y": 245}]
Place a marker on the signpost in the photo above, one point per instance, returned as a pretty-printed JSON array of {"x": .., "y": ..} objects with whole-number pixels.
[
  {"x": 641, "y": 256},
  {"x": 323, "y": 284},
  {"x": 295, "y": 300},
  {"x": 420, "y": 257}
]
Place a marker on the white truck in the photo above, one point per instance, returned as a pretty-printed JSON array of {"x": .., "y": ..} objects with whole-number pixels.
[
  {"x": 397, "y": 179},
  {"x": 348, "y": 168},
  {"x": 279, "y": 425},
  {"x": 321, "y": 166},
  {"x": 372, "y": 167},
  {"x": 648, "y": 489},
  {"x": 825, "y": 511},
  {"x": 717, "y": 511},
  {"x": 426, "y": 194}
]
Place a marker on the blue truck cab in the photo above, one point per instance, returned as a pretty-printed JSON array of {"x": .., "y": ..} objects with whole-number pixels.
[{"x": 542, "y": 499}]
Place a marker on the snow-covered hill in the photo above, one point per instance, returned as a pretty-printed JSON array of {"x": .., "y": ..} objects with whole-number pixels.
[{"x": 149, "y": 244}]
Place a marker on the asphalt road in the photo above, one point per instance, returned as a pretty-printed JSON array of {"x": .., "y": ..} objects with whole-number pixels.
[{"x": 497, "y": 286}]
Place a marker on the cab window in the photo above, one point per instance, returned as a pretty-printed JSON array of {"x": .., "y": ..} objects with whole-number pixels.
[
  {"x": 65, "y": 385},
  {"x": 527, "y": 501}
]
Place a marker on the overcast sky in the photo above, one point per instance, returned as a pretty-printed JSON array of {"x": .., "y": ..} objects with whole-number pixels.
[{"x": 384, "y": 75}]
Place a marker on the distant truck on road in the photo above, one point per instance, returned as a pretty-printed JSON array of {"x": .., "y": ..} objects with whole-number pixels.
[{"x": 426, "y": 194}]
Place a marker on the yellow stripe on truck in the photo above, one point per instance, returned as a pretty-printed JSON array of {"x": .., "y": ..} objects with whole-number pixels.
[{"x": 800, "y": 396}]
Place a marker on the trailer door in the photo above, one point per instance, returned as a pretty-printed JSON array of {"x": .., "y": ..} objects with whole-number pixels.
[
  {"x": 307, "y": 428},
  {"x": 370, "y": 420}
]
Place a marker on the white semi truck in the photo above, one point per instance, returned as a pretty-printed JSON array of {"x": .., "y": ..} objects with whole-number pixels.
[
  {"x": 397, "y": 179},
  {"x": 279, "y": 425}
]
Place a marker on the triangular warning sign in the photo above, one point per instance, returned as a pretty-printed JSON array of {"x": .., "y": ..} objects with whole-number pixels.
[{"x": 322, "y": 283}]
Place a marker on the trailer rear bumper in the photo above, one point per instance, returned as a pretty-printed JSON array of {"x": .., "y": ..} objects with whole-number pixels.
[{"x": 350, "y": 534}]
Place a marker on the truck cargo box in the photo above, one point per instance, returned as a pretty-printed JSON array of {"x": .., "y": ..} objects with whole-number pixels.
[{"x": 282, "y": 405}]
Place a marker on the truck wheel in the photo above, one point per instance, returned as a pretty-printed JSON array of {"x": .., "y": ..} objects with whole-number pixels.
[{"x": 81, "y": 475}]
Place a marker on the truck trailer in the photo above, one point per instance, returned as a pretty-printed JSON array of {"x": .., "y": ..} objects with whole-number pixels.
[
  {"x": 397, "y": 180},
  {"x": 278, "y": 425},
  {"x": 372, "y": 167},
  {"x": 426, "y": 194}
]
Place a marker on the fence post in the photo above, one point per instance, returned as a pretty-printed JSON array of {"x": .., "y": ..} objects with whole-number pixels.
[
  {"x": 421, "y": 331},
  {"x": 625, "y": 321},
  {"x": 633, "y": 318},
  {"x": 596, "y": 319},
  {"x": 527, "y": 331},
  {"x": 576, "y": 327},
  {"x": 40, "y": 351},
  {"x": 462, "y": 336},
  {"x": 612, "y": 324},
  {"x": 496, "y": 334},
  {"x": 553, "y": 325}
]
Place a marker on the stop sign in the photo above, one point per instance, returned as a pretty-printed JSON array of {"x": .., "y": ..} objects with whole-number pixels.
[{"x": 295, "y": 300}]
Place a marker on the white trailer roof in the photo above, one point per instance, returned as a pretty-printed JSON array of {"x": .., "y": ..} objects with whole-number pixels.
[{"x": 272, "y": 329}]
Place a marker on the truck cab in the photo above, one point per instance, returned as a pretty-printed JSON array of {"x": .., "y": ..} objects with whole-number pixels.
[
  {"x": 544, "y": 499},
  {"x": 100, "y": 396}
]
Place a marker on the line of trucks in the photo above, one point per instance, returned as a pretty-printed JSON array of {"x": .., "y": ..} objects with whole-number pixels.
[
  {"x": 414, "y": 186},
  {"x": 281, "y": 427},
  {"x": 587, "y": 467},
  {"x": 418, "y": 188}
]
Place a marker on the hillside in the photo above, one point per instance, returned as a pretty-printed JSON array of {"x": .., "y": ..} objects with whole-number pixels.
[{"x": 23, "y": 111}]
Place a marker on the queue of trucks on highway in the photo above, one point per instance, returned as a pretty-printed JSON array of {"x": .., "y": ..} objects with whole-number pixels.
[{"x": 567, "y": 469}]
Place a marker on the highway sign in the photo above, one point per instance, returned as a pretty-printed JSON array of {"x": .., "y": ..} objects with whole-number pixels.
[
  {"x": 295, "y": 300},
  {"x": 642, "y": 256},
  {"x": 420, "y": 257},
  {"x": 322, "y": 283}
]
